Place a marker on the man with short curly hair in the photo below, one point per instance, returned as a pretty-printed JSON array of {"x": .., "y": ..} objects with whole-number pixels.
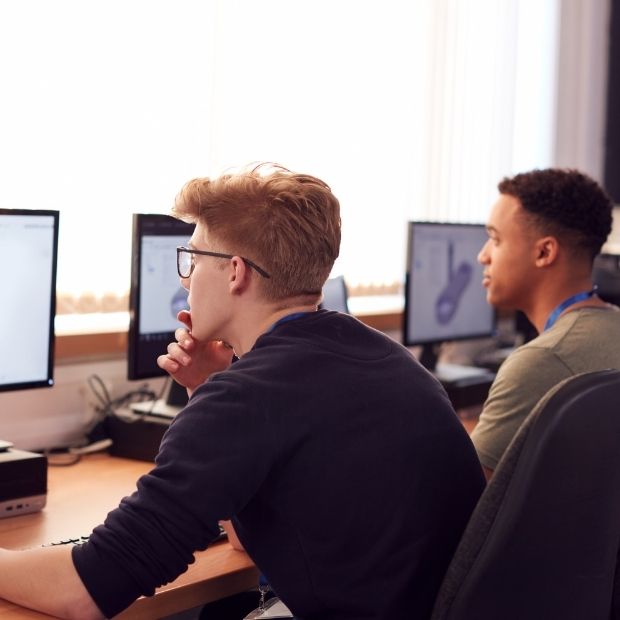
[{"x": 545, "y": 230}]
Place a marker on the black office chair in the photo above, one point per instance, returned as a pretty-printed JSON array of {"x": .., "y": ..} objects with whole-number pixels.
[
  {"x": 543, "y": 541},
  {"x": 606, "y": 276}
]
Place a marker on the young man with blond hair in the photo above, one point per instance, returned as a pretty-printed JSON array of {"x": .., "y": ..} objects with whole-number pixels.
[
  {"x": 545, "y": 230},
  {"x": 338, "y": 458}
]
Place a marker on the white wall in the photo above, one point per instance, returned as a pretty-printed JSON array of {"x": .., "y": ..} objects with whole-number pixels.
[{"x": 58, "y": 416}]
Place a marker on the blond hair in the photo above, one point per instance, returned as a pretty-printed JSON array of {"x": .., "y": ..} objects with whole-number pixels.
[{"x": 285, "y": 222}]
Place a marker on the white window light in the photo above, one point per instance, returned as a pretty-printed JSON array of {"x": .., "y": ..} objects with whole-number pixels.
[{"x": 409, "y": 110}]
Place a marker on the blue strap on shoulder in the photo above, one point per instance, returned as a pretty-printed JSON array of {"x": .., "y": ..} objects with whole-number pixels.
[{"x": 573, "y": 299}]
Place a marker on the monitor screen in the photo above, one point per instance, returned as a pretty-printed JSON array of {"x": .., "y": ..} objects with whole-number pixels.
[
  {"x": 28, "y": 260},
  {"x": 156, "y": 295},
  {"x": 444, "y": 296},
  {"x": 335, "y": 295}
]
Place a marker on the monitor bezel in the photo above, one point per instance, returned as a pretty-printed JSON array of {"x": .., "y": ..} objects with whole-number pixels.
[
  {"x": 412, "y": 342},
  {"x": 340, "y": 282},
  {"x": 139, "y": 220},
  {"x": 49, "y": 380}
]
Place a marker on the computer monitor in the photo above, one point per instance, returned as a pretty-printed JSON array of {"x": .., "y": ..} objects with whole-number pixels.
[
  {"x": 335, "y": 295},
  {"x": 155, "y": 298},
  {"x": 444, "y": 296},
  {"x": 524, "y": 329},
  {"x": 28, "y": 261}
]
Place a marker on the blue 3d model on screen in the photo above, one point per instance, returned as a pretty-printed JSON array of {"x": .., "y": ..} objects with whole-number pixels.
[
  {"x": 444, "y": 296},
  {"x": 448, "y": 300},
  {"x": 178, "y": 302}
]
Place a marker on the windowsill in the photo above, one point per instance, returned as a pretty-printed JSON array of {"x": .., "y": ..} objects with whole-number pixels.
[
  {"x": 376, "y": 304},
  {"x": 104, "y": 335},
  {"x": 93, "y": 323}
]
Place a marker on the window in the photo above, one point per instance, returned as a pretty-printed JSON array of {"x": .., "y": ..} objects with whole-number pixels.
[{"x": 408, "y": 109}]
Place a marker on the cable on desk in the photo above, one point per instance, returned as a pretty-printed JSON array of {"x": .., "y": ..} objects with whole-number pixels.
[
  {"x": 109, "y": 406},
  {"x": 60, "y": 457},
  {"x": 154, "y": 399},
  {"x": 96, "y": 436}
]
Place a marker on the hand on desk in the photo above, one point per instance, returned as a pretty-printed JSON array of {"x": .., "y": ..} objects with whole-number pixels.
[{"x": 191, "y": 362}]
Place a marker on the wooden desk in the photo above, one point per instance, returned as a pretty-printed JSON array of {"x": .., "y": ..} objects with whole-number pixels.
[{"x": 79, "y": 497}]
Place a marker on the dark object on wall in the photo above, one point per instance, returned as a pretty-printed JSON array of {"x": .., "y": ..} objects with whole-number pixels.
[{"x": 612, "y": 130}]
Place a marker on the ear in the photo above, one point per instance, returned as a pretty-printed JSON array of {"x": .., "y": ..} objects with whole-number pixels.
[
  {"x": 238, "y": 276},
  {"x": 546, "y": 251}
]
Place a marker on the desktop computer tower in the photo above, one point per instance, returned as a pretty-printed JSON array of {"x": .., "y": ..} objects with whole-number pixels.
[
  {"x": 23, "y": 482},
  {"x": 135, "y": 438}
]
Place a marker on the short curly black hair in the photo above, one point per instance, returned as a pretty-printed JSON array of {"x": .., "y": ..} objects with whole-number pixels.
[{"x": 565, "y": 203}]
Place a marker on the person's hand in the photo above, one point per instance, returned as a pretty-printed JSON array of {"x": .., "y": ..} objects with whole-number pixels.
[{"x": 190, "y": 362}]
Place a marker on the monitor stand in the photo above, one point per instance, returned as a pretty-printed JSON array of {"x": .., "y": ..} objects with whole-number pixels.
[
  {"x": 166, "y": 407},
  {"x": 430, "y": 355},
  {"x": 450, "y": 373}
]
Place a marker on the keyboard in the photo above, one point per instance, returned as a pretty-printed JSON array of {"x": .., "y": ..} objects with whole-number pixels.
[
  {"x": 454, "y": 373},
  {"x": 78, "y": 540},
  {"x": 68, "y": 541},
  {"x": 157, "y": 409}
]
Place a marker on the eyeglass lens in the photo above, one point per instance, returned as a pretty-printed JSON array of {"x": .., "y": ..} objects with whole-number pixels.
[{"x": 185, "y": 264}]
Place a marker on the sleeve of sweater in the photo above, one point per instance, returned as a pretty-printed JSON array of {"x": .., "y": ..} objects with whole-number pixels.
[{"x": 211, "y": 461}]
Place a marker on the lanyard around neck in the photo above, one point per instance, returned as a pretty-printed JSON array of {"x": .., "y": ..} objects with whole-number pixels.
[
  {"x": 573, "y": 299},
  {"x": 286, "y": 319}
]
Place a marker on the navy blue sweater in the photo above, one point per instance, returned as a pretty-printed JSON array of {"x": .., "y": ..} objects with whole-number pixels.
[{"x": 340, "y": 460}]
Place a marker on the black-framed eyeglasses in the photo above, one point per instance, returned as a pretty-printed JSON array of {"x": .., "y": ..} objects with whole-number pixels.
[{"x": 186, "y": 263}]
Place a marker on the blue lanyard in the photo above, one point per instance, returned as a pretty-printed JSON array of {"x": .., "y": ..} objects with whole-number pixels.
[
  {"x": 285, "y": 319},
  {"x": 553, "y": 317}
]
